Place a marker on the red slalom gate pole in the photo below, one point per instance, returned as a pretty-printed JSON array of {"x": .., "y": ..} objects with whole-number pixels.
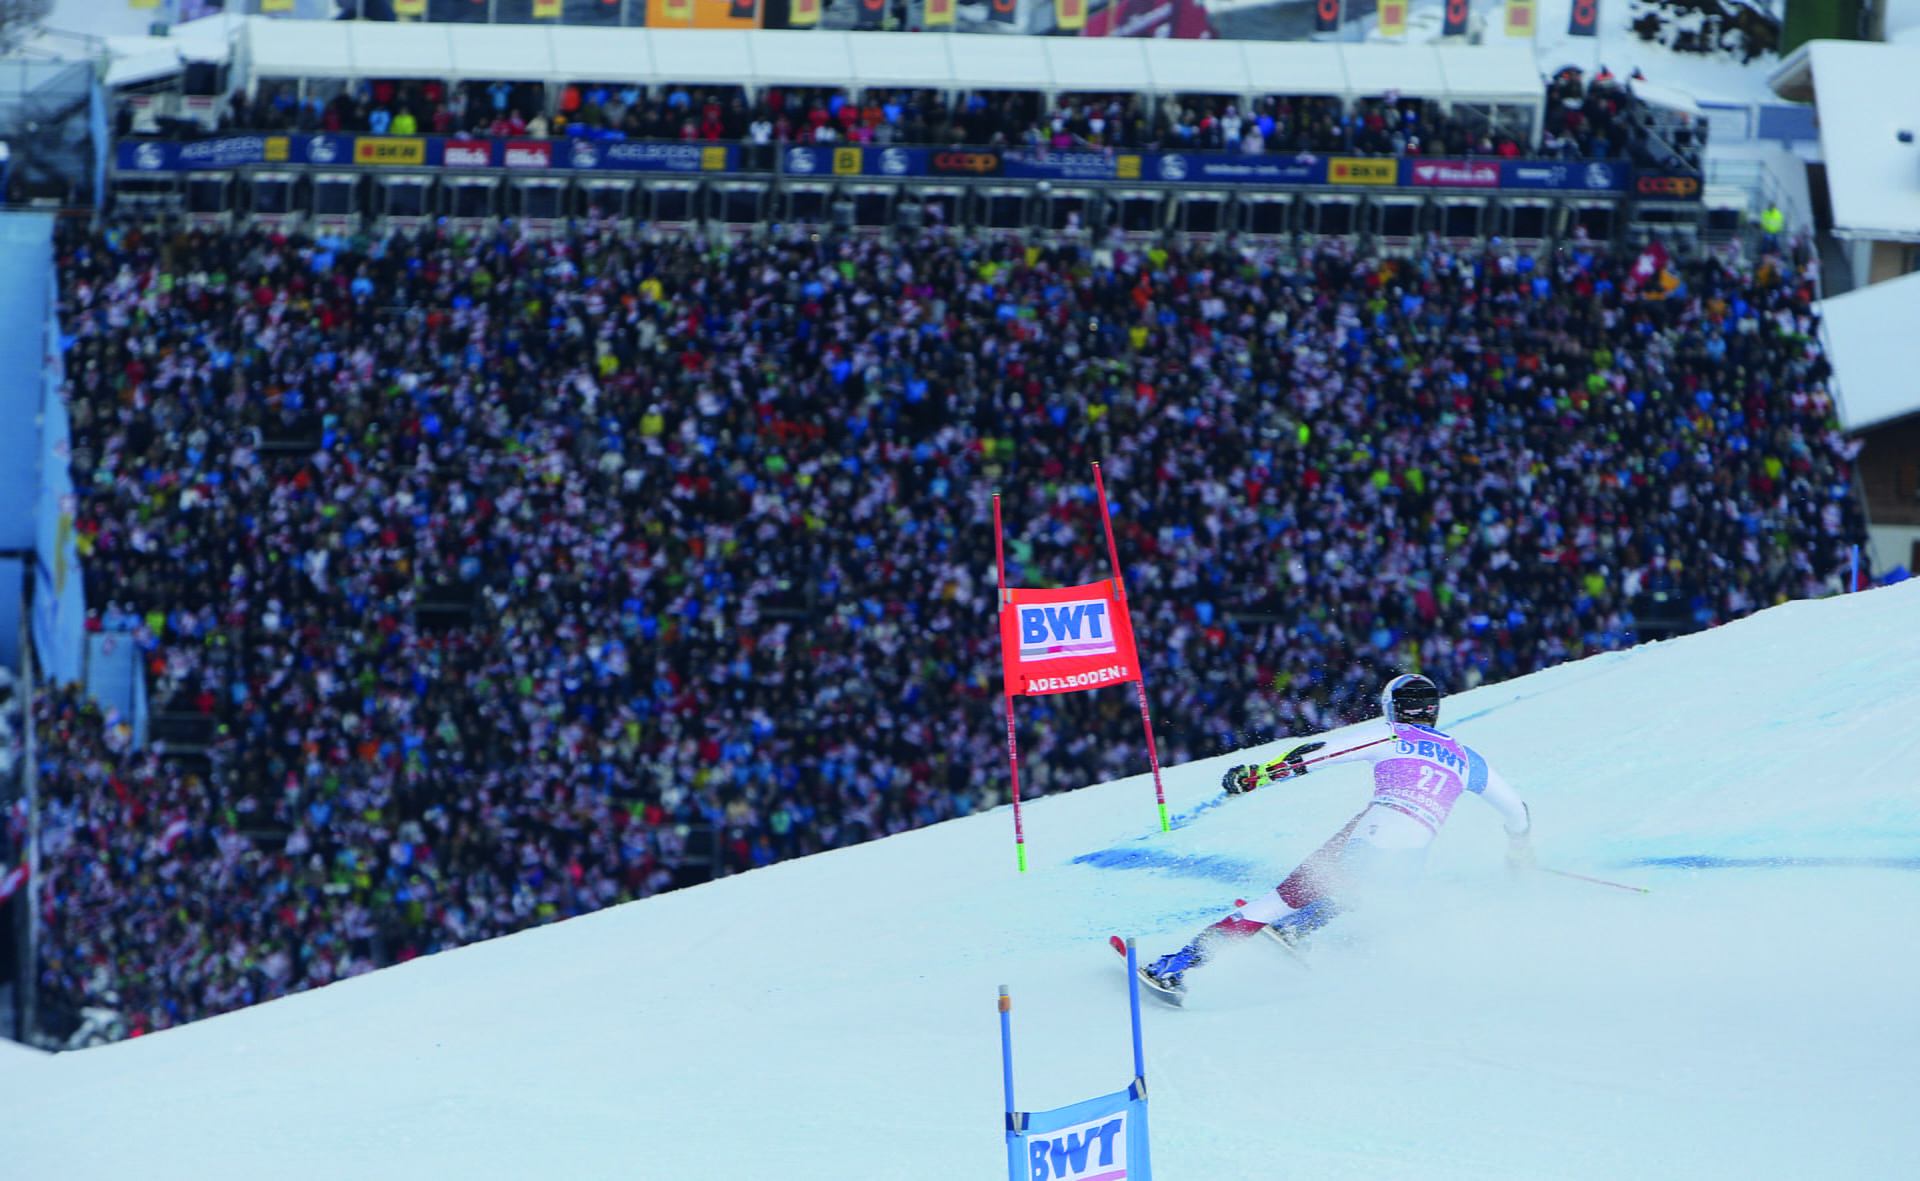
[
  {"x": 1140, "y": 685},
  {"x": 1013, "y": 746}
]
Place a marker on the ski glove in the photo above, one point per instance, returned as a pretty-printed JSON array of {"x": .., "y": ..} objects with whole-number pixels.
[
  {"x": 1241, "y": 780},
  {"x": 1293, "y": 762}
]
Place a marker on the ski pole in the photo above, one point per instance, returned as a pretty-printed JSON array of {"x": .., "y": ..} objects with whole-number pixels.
[{"x": 1578, "y": 877}]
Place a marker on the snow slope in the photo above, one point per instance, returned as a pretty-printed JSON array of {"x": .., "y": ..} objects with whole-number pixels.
[{"x": 835, "y": 1017}]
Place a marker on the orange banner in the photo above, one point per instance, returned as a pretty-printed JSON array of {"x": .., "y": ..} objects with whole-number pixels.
[
  {"x": 1066, "y": 639},
  {"x": 702, "y": 14},
  {"x": 1393, "y": 18},
  {"x": 1521, "y": 16}
]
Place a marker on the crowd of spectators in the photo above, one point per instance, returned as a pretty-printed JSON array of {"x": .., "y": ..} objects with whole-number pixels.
[
  {"x": 500, "y": 565},
  {"x": 1583, "y": 119}
]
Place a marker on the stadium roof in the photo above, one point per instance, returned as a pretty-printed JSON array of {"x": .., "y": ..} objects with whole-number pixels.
[
  {"x": 1865, "y": 95},
  {"x": 268, "y": 48},
  {"x": 1874, "y": 351}
]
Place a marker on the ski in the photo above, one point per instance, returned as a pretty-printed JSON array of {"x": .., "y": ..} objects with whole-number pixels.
[
  {"x": 1298, "y": 956},
  {"x": 1174, "y": 997}
]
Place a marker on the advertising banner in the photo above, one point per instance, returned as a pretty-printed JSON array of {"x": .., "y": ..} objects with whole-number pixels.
[
  {"x": 650, "y": 156},
  {"x": 1362, "y": 170},
  {"x": 963, "y": 162},
  {"x": 1454, "y": 23},
  {"x": 1393, "y": 18},
  {"x": 1666, "y": 186},
  {"x": 1066, "y": 639},
  {"x": 1584, "y": 20},
  {"x": 472, "y": 153},
  {"x": 1455, "y": 174},
  {"x": 1521, "y": 17},
  {"x": 869, "y": 14},
  {"x": 1577, "y": 176},
  {"x": 1047, "y": 164},
  {"x": 527, "y": 153},
  {"x": 805, "y": 14},
  {"x": 1002, "y": 11},
  {"x": 389, "y": 149},
  {"x": 935, "y": 14},
  {"x": 1070, "y": 15},
  {"x": 1178, "y": 168},
  {"x": 1102, "y": 1139},
  {"x": 1326, "y": 15}
]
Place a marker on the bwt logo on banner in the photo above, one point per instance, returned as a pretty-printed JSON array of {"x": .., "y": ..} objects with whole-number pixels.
[
  {"x": 1058, "y": 630},
  {"x": 1095, "y": 1151}
]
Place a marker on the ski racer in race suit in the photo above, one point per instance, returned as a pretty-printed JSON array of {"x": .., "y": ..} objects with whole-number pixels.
[{"x": 1418, "y": 774}]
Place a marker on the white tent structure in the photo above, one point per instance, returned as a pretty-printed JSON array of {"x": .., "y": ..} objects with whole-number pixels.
[{"x": 1478, "y": 75}]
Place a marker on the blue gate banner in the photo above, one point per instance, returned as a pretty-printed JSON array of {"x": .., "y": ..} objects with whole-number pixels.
[
  {"x": 1566, "y": 176},
  {"x": 1102, "y": 1139}
]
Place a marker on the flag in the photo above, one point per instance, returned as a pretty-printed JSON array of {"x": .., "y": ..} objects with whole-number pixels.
[
  {"x": 1070, "y": 15},
  {"x": 1326, "y": 16},
  {"x": 1585, "y": 19},
  {"x": 805, "y": 14},
  {"x": 1520, "y": 17},
  {"x": 13, "y": 880},
  {"x": 1393, "y": 18},
  {"x": 170, "y": 836},
  {"x": 936, "y": 14},
  {"x": 1456, "y": 22}
]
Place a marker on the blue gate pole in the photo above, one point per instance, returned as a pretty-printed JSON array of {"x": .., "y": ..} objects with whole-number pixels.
[
  {"x": 1133, "y": 1001},
  {"x": 1006, "y": 1049}
]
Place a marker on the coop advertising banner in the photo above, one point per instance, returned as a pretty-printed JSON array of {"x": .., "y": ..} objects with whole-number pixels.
[
  {"x": 1066, "y": 639},
  {"x": 1103, "y": 1139}
]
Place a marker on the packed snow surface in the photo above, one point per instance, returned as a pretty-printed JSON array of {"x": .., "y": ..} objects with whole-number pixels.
[{"x": 834, "y": 1017}]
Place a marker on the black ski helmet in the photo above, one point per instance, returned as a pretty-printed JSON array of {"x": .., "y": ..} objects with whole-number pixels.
[{"x": 1411, "y": 699}]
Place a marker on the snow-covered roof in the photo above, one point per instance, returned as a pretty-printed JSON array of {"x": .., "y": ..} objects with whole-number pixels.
[
  {"x": 1866, "y": 95},
  {"x": 759, "y": 57},
  {"x": 1874, "y": 351}
]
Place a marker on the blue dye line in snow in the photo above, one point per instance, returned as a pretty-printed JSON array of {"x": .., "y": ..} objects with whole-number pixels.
[
  {"x": 1695, "y": 861},
  {"x": 1219, "y": 869}
]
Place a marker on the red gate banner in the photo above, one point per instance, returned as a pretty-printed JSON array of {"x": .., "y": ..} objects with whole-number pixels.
[{"x": 1066, "y": 639}]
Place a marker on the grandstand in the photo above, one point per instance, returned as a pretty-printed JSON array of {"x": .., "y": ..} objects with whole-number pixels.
[{"x": 272, "y": 136}]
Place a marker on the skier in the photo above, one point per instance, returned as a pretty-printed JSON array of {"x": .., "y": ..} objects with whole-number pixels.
[{"x": 1418, "y": 773}]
